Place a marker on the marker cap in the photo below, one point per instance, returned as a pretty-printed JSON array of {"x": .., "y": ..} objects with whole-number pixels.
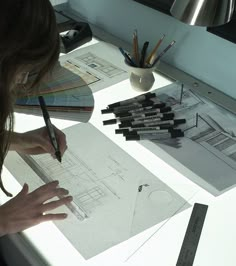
[
  {"x": 132, "y": 137},
  {"x": 159, "y": 105},
  {"x": 179, "y": 121},
  {"x": 109, "y": 122},
  {"x": 168, "y": 116},
  {"x": 106, "y": 111},
  {"x": 165, "y": 109},
  {"x": 125, "y": 124},
  {"x": 122, "y": 131},
  {"x": 177, "y": 133}
]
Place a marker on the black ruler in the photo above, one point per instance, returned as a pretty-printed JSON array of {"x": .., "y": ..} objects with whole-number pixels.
[{"x": 192, "y": 235}]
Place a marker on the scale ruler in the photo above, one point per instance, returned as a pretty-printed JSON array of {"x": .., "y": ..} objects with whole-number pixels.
[{"x": 192, "y": 235}]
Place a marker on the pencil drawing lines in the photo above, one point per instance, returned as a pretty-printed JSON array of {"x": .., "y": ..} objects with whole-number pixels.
[
  {"x": 85, "y": 75},
  {"x": 90, "y": 199},
  {"x": 88, "y": 188},
  {"x": 211, "y": 137},
  {"x": 188, "y": 100},
  {"x": 101, "y": 65}
]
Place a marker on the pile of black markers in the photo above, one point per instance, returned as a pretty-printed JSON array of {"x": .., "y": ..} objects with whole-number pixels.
[{"x": 144, "y": 117}]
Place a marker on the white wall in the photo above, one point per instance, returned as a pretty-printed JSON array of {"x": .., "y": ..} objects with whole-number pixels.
[{"x": 197, "y": 52}]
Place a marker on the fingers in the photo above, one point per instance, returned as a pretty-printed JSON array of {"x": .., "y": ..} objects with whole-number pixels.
[
  {"x": 52, "y": 217},
  {"x": 24, "y": 191},
  {"x": 48, "y": 191},
  {"x": 38, "y": 141},
  {"x": 61, "y": 140},
  {"x": 55, "y": 204},
  {"x": 51, "y": 206}
]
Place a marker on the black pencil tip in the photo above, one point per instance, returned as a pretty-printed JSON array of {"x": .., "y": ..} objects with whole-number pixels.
[{"x": 58, "y": 156}]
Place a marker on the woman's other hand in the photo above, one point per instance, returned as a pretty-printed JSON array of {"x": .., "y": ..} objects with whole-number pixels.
[
  {"x": 28, "y": 209},
  {"x": 37, "y": 141}
]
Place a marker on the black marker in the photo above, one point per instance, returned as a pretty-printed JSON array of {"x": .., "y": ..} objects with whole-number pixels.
[
  {"x": 139, "y": 98},
  {"x": 149, "y": 130},
  {"x": 152, "y": 123},
  {"x": 126, "y": 108},
  {"x": 143, "y": 118},
  {"x": 146, "y": 113},
  {"x": 121, "y": 113},
  {"x": 154, "y": 107},
  {"x": 156, "y": 136},
  {"x": 126, "y": 130},
  {"x": 50, "y": 128}
]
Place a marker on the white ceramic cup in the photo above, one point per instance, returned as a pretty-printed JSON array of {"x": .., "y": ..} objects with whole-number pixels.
[{"x": 141, "y": 79}]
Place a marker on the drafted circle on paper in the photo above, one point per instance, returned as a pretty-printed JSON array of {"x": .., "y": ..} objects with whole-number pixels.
[{"x": 160, "y": 197}]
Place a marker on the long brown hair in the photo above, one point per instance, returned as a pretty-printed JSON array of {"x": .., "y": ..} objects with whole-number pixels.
[{"x": 28, "y": 37}]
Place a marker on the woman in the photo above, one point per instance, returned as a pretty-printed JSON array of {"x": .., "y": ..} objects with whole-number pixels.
[{"x": 29, "y": 42}]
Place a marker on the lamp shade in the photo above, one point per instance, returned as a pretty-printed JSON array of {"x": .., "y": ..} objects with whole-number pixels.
[{"x": 208, "y": 13}]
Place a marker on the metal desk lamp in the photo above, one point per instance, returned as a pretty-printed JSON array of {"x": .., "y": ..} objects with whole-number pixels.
[{"x": 208, "y": 13}]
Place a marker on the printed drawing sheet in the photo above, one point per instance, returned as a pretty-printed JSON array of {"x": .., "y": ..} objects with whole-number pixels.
[
  {"x": 114, "y": 197},
  {"x": 94, "y": 64},
  {"x": 209, "y": 146}
]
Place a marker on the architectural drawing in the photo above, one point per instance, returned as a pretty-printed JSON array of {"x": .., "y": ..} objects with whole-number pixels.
[
  {"x": 93, "y": 64},
  {"x": 209, "y": 146},
  {"x": 88, "y": 189},
  {"x": 108, "y": 205},
  {"x": 101, "y": 65}
]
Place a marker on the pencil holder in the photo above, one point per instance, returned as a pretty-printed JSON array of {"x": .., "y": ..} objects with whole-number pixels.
[{"x": 141, "y": 79}]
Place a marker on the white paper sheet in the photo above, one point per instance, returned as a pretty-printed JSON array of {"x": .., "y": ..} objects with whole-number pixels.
[
  {"x": 94, "y": 64},
  {"x": 208, "y": 149},
  {"x": 115, "y": 197}
]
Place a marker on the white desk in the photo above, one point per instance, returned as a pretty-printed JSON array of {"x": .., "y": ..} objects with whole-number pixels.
[{"x": 158, "y": 245}]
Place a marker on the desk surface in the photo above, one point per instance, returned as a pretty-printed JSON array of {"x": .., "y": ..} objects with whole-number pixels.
[{"x": 160, "y": 244}]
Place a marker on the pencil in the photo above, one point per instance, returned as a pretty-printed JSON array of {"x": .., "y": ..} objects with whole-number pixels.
[
  {"x": 143, "y": 54},
  {"x": 128, "y": 59},
  {"x": 151, "y": 57},
  {"x": 135, "y": 47},
  {"x": 162, "y": 53}
]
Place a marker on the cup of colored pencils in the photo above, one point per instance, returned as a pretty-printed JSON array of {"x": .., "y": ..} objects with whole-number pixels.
[{"x": 142, "y": 64}]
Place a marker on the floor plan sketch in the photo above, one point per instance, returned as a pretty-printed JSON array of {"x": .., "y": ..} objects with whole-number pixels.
[
  {"x": 114, "y": 197},
  {"x": 208, "y": 148}
]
